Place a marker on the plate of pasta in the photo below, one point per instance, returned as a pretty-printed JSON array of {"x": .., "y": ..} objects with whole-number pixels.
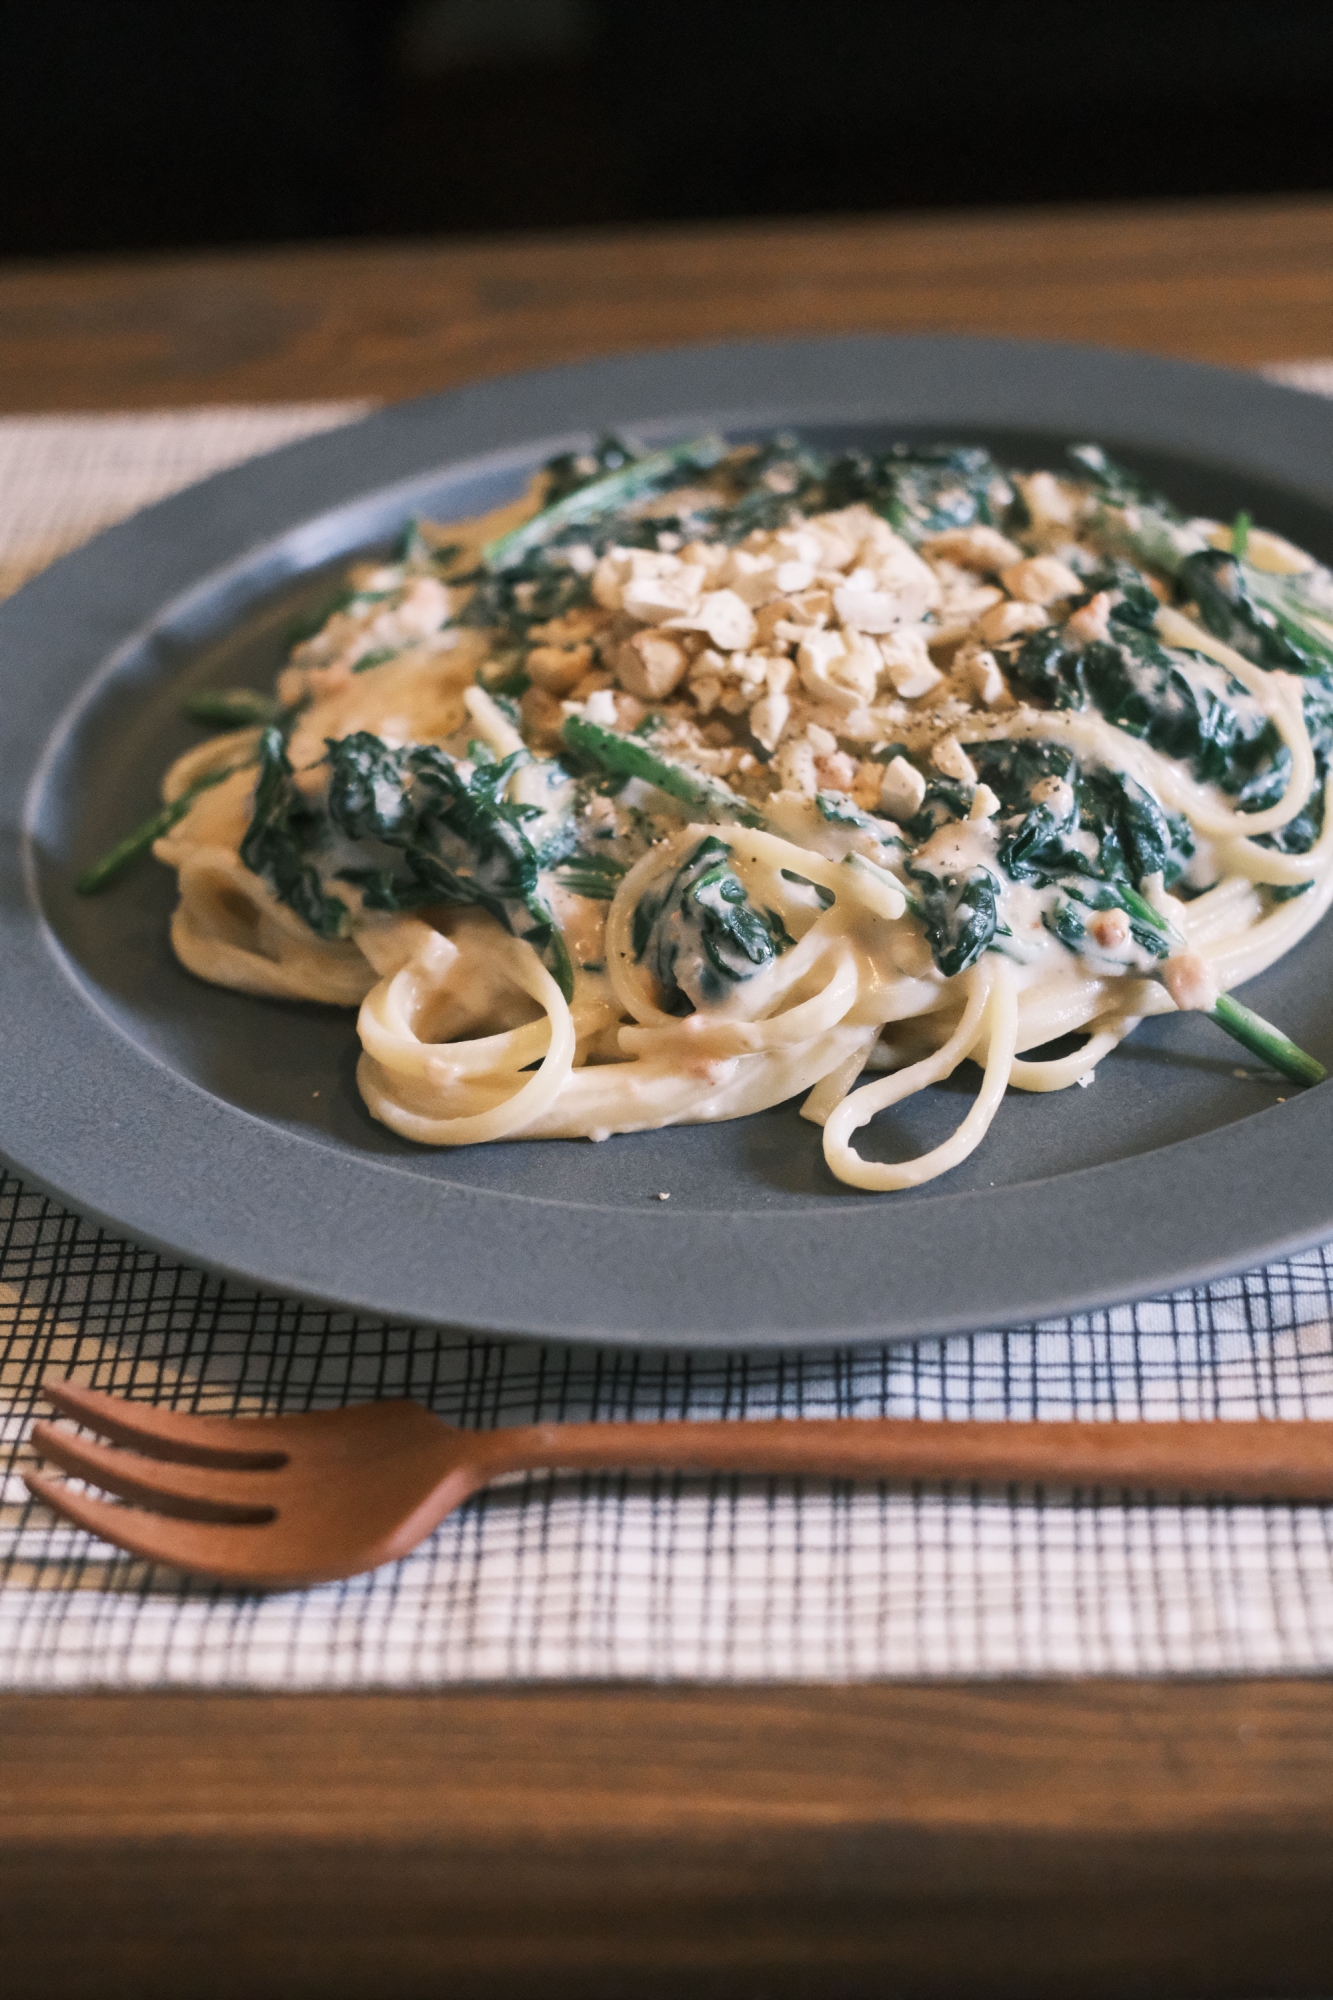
[{"x": 768, "y": 844}]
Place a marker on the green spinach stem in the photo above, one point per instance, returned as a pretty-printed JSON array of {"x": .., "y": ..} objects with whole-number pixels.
[
  {"x": 630, "y": 757},
  {"x": 230, "y": 708},
  {"x": 600, "y": 496},
  {"x": 1262, "y": 1039},
  {"x": 112, "y": 864}
]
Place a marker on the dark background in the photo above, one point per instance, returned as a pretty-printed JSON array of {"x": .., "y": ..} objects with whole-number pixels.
[{"x": 136, "y": 124}]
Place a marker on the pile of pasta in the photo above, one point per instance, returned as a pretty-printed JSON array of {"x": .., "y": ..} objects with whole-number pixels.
[{"x": 642, "y": 821}]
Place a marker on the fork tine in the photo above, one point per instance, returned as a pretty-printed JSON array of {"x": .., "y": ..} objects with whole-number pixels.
[
  {"x": 191, "y": 1492},
  {"x": 241, "y": 1443},
  {"x": 230, "y": 1554}
]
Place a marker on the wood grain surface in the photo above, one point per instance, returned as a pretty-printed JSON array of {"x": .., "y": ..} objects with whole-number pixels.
[
  {"x": 1072, "y": 1841},
  {"x": 1033, "y": 1839},
  {"x": 1234, "y": 283}
]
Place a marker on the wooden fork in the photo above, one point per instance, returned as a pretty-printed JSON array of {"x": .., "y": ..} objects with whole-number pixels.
[{"x": 283, "y": 1501}]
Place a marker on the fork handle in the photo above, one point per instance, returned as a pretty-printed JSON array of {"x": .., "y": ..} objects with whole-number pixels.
[{"x": 1265, "y": 1459}]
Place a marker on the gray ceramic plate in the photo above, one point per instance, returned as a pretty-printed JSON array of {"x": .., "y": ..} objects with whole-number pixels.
[{"x": 229, "y": 1131}]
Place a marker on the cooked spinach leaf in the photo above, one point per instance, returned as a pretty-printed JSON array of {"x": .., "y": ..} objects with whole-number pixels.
[
  {"x": 594, "y": 875},
  {"x": 281, "y": 841},
  {"x": 1092, "y": 832},
  {"x": 768, "y": 485},
  {"x": 1261, "y": 615},
  {"x": 1133, "y": 601},
  {"x": 823, "y": 896},
  {"x": 515, "y": 599},
  {"x": 699, "y": 934},
  {"x": 1098, "y": 822},
  {"x": 1276, "y": 619},
  {"x": 1138, "y": 684},
  {"x": 1116, "y": 483},
  {"x": 959, "y": 915},
  {"x": 945, "y": 800},
  {"x": 1068, "y": 916},
  {"x": 1143, "y": 687},
  {"x": 838, "y": 810},
  {"x": 920, "y": 490},
  {"x": 461, "y": 840},
  {"x": 430, "y": 831},
  {"x": 923, "y": 490}
]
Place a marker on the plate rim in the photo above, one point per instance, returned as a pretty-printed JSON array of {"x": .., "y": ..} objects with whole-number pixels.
[{"x": 130, "y": 575}]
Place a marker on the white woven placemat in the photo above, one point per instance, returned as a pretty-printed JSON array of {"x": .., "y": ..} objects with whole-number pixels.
[
  {"x": 603, "y": 1576},
  {"x": 64, "y": 478}
]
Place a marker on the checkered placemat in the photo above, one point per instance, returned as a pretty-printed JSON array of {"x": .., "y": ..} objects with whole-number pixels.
[{"x": 602, "y": 1576}]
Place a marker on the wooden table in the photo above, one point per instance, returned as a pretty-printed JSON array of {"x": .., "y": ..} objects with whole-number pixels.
[{"x": 1034, "y": 1839}]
